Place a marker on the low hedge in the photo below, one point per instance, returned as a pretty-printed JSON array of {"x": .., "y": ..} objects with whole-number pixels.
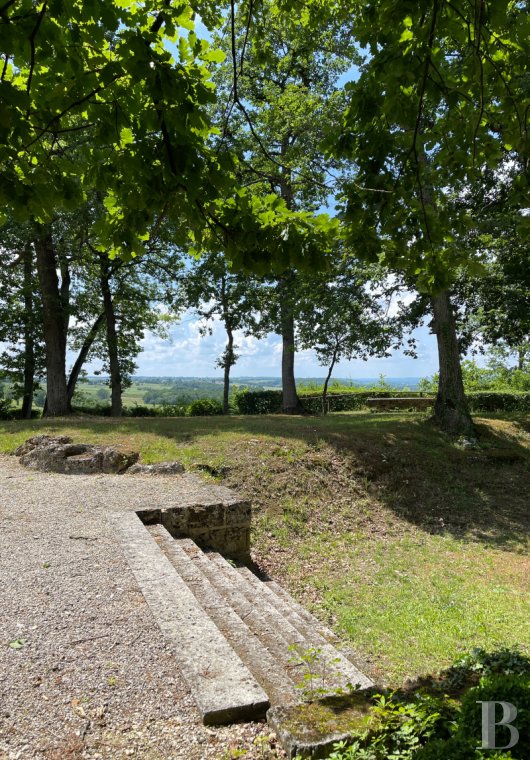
[
  {"x": 270, "y": 401},
  {"x": 205, "y": 407},
  {"x": 257, "y": 402},
  {"x": 200, "y": 407},
  {"x": 490, "y": 401}
]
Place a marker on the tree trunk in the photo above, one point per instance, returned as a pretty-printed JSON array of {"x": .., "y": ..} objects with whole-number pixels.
[
  {"x": 29, "y": 338},
  {"x": 328, "y": 378},
  {"x": 290, "y": 401},
  {"x": 228, "y": 363},
  {"x": 54, "y": 322},
  {"x": 112, "y": 339},
  {"x": 450, "y": 409},
  {"x": 81, "y": 358},
  {"x": 65, "y": 291}
]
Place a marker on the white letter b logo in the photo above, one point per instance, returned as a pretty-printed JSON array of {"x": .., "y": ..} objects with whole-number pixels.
[{"x": 509, "y": 713}]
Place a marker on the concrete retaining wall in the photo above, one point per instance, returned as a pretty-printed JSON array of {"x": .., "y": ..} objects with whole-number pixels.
[{"x": 223, "y": 526}]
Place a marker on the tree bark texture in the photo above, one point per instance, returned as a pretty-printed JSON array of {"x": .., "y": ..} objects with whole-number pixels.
[
  {"x": 228, "y": 363},
  {"x": 29, "y": 338},
  {"x": 450, "y": 409},
  {"x": 54, "y": 325},
  {"x": 290, "y": 401},
  {"x": 112, "y": 339},
  {"x": 328, "y": 378}
]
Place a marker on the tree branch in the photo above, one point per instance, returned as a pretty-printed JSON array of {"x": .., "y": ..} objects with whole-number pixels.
[{"x": 32, "y": 38}]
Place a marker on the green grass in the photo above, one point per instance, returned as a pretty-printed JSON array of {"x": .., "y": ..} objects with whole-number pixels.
[
  {"x": 415, "y": 549},
  {"x": 422, "y": 601}
]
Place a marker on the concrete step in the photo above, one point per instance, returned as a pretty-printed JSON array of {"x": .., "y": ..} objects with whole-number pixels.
[
  {"x": 265, "y": 623},
  {"x": 326, "y": 632},
  {"x": 311, "y": 628},
  {"x": 266, "y": 669},
  {"x": 334, "y": 669},
  {"x": 221, "y": 684}
]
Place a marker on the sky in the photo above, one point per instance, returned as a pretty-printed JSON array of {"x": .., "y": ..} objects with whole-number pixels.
[{"x": 188, "y": 354}]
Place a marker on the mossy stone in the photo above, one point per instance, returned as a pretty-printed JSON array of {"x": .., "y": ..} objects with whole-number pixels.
[{"x": 311, "y": 729}]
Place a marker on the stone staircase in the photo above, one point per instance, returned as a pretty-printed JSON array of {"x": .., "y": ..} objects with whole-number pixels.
[{"x": 239, "y": 641}]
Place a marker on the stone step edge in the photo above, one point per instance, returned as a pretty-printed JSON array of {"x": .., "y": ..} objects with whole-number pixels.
[
  {"x": 222, "y": 686},
  {"x": 311, "y": 629},
  {"x": 259, "y": 660},
  {"x": 338, "y": 670},
  {"x": 326, "y": 632},
  {"x": 260, "y": 624}
]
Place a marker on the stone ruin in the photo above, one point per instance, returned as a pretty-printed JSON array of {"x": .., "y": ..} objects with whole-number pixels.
[
  {"x": 210, "y": 514},
  {"x": 61, "y": 454}
]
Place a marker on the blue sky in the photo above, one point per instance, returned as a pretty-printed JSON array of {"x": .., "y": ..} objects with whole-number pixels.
[{"x": 187, "y": 354}]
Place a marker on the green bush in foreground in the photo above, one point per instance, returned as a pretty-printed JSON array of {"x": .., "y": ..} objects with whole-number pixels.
[
  {"x": 428, "y": 724},
  {"x": 508, "y": 688},
  {"x": 457, "y": 749}
]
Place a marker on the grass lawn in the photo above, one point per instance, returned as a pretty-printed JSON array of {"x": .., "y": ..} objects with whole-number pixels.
[{"x": 413, "y": 548}]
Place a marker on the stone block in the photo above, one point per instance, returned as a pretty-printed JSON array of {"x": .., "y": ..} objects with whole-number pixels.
[
  {"x": 60, "y": 455},
  {"x": 202, "y": 516},
  {"x": 203, "y": 538},
  {"x": 150, "y": 516},
  {"x": 238, "y": 513},
  {"x": 175, "y": 520},
  {"x": 310, "y": 730},
  {"x": 160, "y": 468},
  {"x": 236, "y": 542}
]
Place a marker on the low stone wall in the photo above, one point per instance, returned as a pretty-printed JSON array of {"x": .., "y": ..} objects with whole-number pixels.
[{"x": 223, "y": 526}]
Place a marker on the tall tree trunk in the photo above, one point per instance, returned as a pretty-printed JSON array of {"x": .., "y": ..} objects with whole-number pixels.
[
  {"x": 228, "y": 364},
  {"x": 29, "y": 337},
  {"x": 65, "y": 291},
  {"x": 328, "y": 378},
  {"x": 112, "y": 339},
  {"x": 450, "y": 410},
  {"x": 290, "y": 401},
  {"x": 81, "y": 357},
  {"x": 54, "y": 325}
]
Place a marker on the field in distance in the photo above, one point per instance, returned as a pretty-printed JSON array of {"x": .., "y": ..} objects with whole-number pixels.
[{"x": 152, "y": 391}]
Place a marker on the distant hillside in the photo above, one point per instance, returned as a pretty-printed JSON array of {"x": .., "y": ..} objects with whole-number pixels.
[{"x": 184, "y": 390}]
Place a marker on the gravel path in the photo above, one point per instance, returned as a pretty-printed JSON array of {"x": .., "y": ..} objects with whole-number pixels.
[{"x": 84, "y": 671}]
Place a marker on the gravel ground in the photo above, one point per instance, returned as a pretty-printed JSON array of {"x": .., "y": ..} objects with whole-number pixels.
[{"x": 84, "y": 671}]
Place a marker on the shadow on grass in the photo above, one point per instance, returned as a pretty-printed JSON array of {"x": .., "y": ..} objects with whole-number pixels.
[{"x": 404, "y": 462}]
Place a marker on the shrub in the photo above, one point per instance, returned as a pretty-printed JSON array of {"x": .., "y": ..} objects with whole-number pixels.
[
  {"x": 507, "y": 688},
  {"x": 139, "y": 410},
  {"x": 457, "y": 749},
  {"x": 6, "y": 413},
  {"x": 205, "y": 407},
  {"x": 430, "y": 725},
  {"x": 98, "y": 410},
  {"x": 488, "y": 401},
  {"x": 16, "y": 414},
  {"x": 257, "y": 402},
  {"x": 479, "y": 663}
]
